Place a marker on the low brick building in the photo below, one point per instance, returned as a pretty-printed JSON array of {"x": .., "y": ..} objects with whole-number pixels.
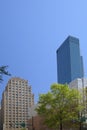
[{"x": 36, "y": 123}]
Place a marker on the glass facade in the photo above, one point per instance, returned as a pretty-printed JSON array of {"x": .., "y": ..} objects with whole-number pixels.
[{"x": 69, "y": 61}]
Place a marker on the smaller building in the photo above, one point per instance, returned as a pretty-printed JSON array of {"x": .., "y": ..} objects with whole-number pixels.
[
  {"x": 78, "y": 83},
  {"x": 81, "y": 84}
]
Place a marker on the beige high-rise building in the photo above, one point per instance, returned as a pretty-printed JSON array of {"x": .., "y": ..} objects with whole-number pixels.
[{"x": 16, "y": 100}]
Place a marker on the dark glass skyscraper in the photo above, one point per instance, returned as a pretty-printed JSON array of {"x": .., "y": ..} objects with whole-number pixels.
[{"x": 69, "y": 61}]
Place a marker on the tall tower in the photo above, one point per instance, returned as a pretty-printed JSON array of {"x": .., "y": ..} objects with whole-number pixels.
[
  {"x": 16, "y": 100},
  {"x": 69, "y": 61}
]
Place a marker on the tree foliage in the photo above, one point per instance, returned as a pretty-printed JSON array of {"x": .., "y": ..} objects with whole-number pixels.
[
  {"x": 3, "y": 71},
  {"x": 60, "y": 105}
]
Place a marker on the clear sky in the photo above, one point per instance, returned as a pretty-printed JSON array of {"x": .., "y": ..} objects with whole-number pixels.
[{"x": 30, "y": 33}]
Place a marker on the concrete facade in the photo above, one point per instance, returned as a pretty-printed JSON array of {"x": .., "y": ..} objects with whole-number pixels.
[{"x": 81, "y": 85}]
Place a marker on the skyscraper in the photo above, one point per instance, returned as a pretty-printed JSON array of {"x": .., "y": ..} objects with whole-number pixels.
[
  {"x": 69, "y": 61},
  {"x": 16, "y": 100}
]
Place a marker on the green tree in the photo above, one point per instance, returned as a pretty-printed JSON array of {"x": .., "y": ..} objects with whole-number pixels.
[
  {"x": 3, "y": 71},
  {"x": 59, "y": 106}
]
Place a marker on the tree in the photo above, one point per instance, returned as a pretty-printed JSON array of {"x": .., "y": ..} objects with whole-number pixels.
[
  {"x": 60, "y": 105},
  {"x": 3, "y": 71}
]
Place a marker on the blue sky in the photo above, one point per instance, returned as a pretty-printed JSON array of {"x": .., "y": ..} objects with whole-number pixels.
[{"x": 30, "y": 33}]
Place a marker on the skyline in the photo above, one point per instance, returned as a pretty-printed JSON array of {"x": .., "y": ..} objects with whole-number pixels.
[{"x": 30, "y": 34}]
